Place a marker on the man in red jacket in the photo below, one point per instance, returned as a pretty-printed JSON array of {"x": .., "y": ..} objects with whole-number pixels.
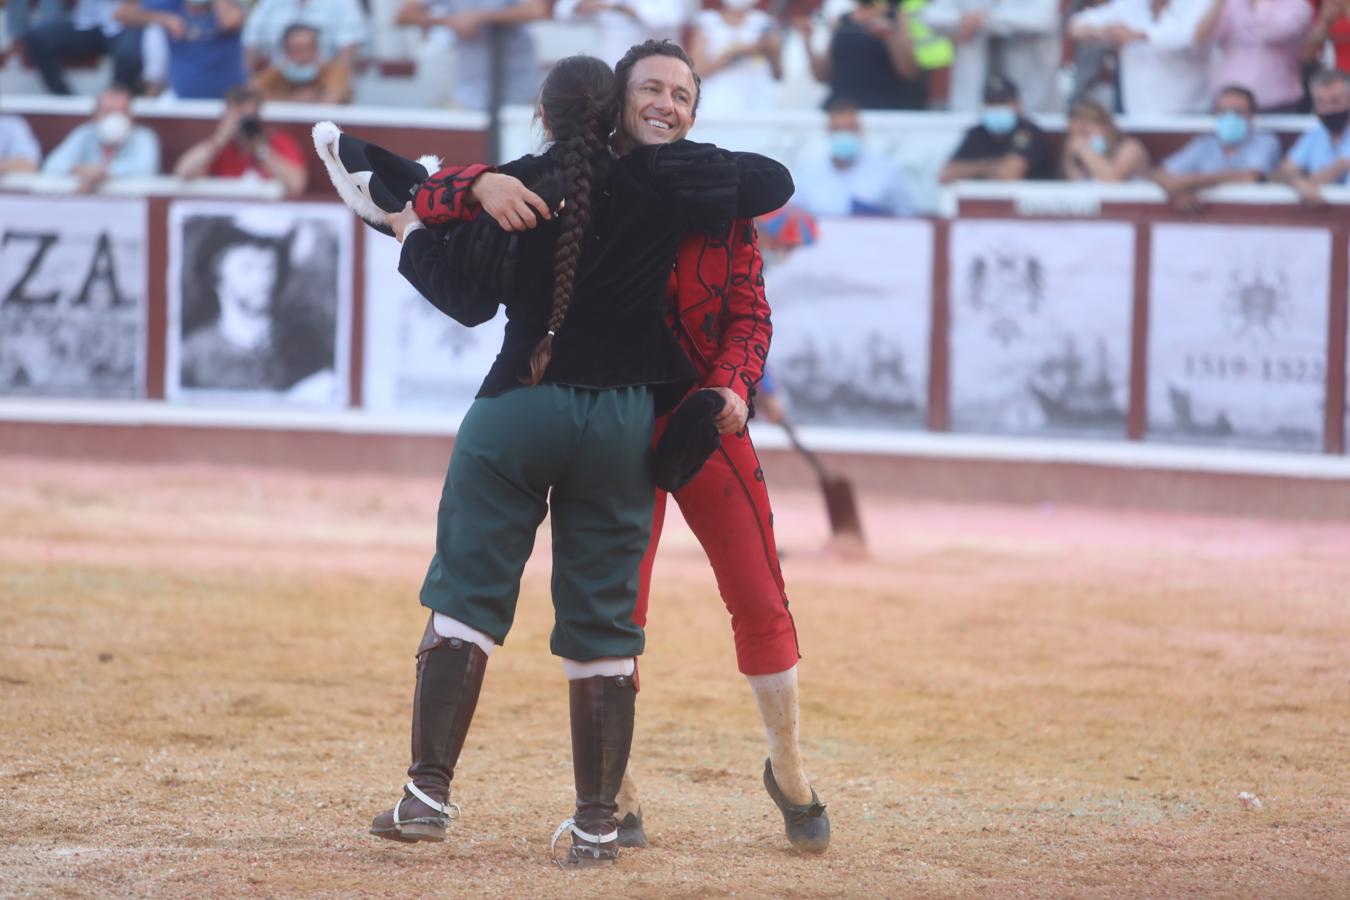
[{"x": 721, "y": 316}]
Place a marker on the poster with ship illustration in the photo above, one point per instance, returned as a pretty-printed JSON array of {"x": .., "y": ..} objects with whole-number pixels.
[
  {"x": 418, "y": 359},
  {"x": 1040, "y": 327},
  {"x": 1238, "y": 335},
  {"x": 852, "y": 316}
]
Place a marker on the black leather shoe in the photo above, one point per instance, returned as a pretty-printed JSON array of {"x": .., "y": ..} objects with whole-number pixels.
[{"x": 807, "y": 826}]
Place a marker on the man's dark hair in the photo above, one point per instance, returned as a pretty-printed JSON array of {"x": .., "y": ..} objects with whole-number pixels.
[
  {"x": 298, "y": 28},
  {"x": 1239, "y": 91},
  {"x": 1328, "y": 77},
  {"x": 841, "y": 105},
  {"x": 638, "y": 52},
  {"x": 242, "y": 93}
]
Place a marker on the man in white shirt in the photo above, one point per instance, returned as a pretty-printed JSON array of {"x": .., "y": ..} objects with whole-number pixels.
[
  {"x": 620, "y": 24},
  {"x": 1162, "y": 69},
  {"x": 851, "y": 182},
  {"x": 1018, "y": 39}
]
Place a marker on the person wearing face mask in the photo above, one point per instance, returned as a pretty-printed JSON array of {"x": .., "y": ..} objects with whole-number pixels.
[
  {"x": 1321, "y": 155},
  {"x": 108, "y": 146},
  {"x": 1234, "y": 153},
  {"x": 738, "y": 52},
  {"x": 300, "y": 75},
  {"x": 243, "y": 147},
  {"x": 1096, "y": 150},
  {"x": 1004, "y": 146},
  {"x": 851, "y": 181},
  {"x": 206, "y": 57}
]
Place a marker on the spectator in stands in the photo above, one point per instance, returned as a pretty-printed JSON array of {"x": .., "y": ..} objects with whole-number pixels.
[
  {"x": 871, "y": 60},
  {"x": 341, "y": 25},
  {"x": 299, "y": 76},
  {"x": 1096, "y": 150},
  {"x": 1332, "y": 24},
  {"x": 621, "y": 24},
  {"x": 1163, "y": 70},
  {"x": 110, "y": 145},
  {"x": 1321, "y": 156},
  {"x": 1018, "y": 39},
  {"x": 851, "y": 181},
  {"x": 206, "y": 58},
  {"x": 1235, "y": 153},
  {"x": 91, "y": 30},
  {"x": 1095, "y": 66},
  {"x": 738, "y": 54},
  {"x": 1260, "y": 44},
  {"x": 17, "y": 13},
  {"x": 1005, "y": 146},
  {"x": 466, "y": 26},
  {"x": 19, "y": 150},
  {"x": 243, "y": 147}
]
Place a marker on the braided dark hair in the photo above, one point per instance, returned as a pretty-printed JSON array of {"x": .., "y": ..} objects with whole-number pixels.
[{"x": 578, "y": 105}]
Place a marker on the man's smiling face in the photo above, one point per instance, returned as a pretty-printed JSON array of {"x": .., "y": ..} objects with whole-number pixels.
[{"x": 658, "y": 104}]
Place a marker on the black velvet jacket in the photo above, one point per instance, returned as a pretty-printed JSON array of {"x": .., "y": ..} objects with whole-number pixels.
[{"x": 615, "y": 333}]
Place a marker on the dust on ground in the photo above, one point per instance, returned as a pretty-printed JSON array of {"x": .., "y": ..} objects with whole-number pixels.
[{"x": 205, "y": 678}]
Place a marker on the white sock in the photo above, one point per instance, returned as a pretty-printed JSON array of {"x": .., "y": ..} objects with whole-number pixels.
[
  {"x": 453, "y": 628},
  {"x": 608, "y": 666},
  {"x": 776, "y": 695}
]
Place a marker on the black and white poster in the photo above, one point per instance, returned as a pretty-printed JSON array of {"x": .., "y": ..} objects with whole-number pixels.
[
  {"x": 852, "y": 315},
  {"x": 72, "y": 297},
  {"x": 1040, "y": 327},
  {"x": 417, "y": 357},
  {"x": 259, "y": 303},
  {"x": 1238, "y": 335}
]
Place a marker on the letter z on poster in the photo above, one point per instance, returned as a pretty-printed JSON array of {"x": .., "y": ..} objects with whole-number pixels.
[{"x": 72, "y": 297}]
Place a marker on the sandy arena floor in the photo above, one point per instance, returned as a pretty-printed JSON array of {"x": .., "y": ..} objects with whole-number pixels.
[{"x": 205, "y": 675}]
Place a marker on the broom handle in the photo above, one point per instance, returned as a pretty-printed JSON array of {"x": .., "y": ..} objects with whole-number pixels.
[{"x": 800, "y": 448}]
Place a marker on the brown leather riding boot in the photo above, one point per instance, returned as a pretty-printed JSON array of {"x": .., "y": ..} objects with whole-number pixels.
[
  {"x": 602, "y": 734},
  {"x": 449, "y": 676}
]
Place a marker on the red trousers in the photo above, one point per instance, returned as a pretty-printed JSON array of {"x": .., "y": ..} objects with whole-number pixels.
[{"x": 727, "y": 508}]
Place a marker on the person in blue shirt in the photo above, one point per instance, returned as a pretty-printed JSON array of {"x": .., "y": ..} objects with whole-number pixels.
[
  {"x": 1234, "y": 153},
  {"x": 1321, "y": 155},
  {"x": 206, "y": 57},
  {"x": 852, "y": 181},
  {"x": 107, "y": 146}
]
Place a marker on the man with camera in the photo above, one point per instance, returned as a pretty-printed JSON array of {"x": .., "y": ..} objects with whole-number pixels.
[{"x": 243, "y": 147}]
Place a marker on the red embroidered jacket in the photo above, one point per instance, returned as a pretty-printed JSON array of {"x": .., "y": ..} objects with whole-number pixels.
[{"x": 718, "y": 309}]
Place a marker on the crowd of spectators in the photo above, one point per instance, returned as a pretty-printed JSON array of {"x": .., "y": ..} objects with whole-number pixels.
[{"x": 999, "y": 60}]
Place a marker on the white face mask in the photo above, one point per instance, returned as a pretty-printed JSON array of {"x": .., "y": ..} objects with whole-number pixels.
[
  {"x": 738, "y": 5},
  {"x": 113, "y": 129}
]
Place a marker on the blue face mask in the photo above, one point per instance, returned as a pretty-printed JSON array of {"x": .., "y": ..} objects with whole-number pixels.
[
  {"x": 845, "y": 145},
  {"x": 299, "y": 73},
  {"x": 1231, "y": 128},
  {"x": 1098, "y": 144},
  {"x": 999, "y": 119}
]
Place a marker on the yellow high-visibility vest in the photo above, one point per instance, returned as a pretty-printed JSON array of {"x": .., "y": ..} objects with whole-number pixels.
[{"x": 930, "y": 49}]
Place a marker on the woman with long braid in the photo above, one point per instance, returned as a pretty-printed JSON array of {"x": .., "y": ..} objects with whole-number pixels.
[{"x": 561, "y": 424}]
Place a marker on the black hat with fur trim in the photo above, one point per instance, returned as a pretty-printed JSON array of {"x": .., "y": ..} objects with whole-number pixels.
[
  {"x": 370, "y": 179},
  {"x": 691, "y": 437}
]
